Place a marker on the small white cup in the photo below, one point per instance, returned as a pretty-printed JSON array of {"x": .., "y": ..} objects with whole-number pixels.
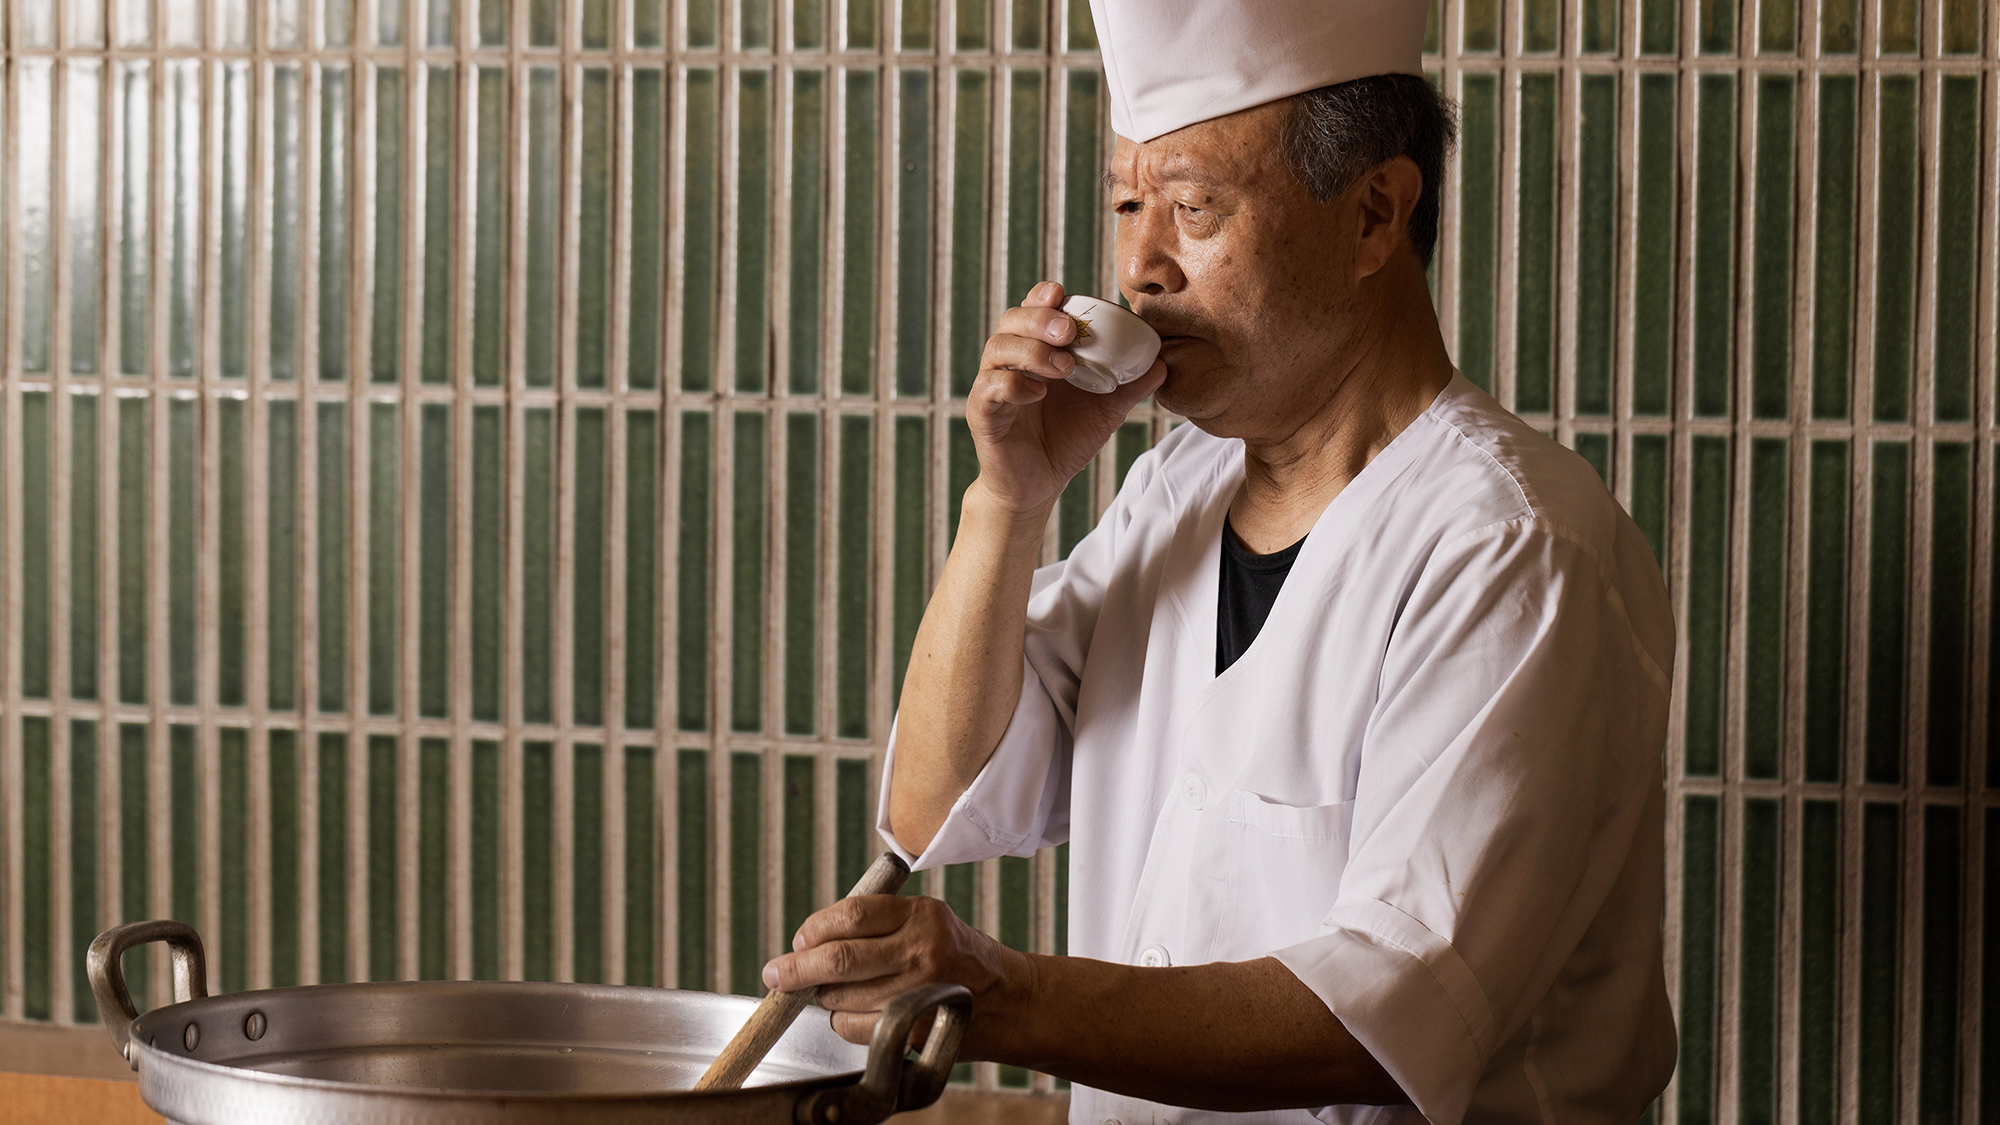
[{"x": 1112, "y": 347}]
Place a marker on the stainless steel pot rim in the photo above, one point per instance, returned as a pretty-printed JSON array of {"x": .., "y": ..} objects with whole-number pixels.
[
  {"x": 154, "y": 1023},
  {"x": 438, "y": 1093}
]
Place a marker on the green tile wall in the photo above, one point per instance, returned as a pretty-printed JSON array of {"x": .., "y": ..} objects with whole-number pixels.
[
  {"x": 1713, "y": 349},
  {"x": 282, "y": 770},
  {"x": 1894, "y": 320},
  {"x": 1771, "y": 255},
  {"x": 1764, "y": 609},
  {"x": 433, "y": 858},
  {"x": 1834, "y": 226},
  {"x": 1697, "y": 1010},
  {"x": 471, "y": 474},
  {"x": 1478, "y": 172},
  {"x": 1888, "y": 610}
]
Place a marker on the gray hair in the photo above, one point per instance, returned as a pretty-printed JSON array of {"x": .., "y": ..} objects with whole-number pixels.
[{"x": 1337, "y": 133}]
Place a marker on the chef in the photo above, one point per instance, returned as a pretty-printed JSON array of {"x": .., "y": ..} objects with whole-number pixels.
[{"x": 1352, "y": 706}]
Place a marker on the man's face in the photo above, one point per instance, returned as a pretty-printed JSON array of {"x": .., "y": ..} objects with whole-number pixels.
[{"x": 1248, "y": 280}]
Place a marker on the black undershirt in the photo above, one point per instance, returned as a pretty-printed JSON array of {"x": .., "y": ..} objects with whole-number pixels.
[{"x": 1250, "y": 584}]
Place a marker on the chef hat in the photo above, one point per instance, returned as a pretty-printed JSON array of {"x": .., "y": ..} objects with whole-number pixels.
[{"x": 1171, "y": 63}]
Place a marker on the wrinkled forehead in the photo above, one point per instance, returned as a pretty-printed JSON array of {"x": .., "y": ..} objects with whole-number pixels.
[{"x": 1232, "y": 153}]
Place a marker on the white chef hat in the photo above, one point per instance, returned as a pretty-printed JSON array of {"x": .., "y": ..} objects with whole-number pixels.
[{"x": 1171, "y": 63}]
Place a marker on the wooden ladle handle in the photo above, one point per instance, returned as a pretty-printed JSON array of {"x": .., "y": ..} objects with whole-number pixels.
[{"x": 778, "y": 1009}]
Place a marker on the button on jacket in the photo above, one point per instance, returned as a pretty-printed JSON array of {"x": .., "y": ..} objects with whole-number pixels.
[{"x": 1431, "y": 787}]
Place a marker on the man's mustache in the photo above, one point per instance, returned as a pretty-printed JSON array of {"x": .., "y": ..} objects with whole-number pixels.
[{"x": 1169, "y": 322}]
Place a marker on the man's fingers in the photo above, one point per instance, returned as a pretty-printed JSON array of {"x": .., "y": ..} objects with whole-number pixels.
[
  {"x": 1003, "y": 389},
  {"x": 863, "y": 916},
  {"x": 859, "y": 1027},
  {"x": 855, "y": 1027},
  {"x": 866, "y": 996},
  {"x": 1022, "y": 353},
  {"x": 1048, "y": 294},
  {"x": 1037, "y": 323},
  {"x": 833, "y": 962}
]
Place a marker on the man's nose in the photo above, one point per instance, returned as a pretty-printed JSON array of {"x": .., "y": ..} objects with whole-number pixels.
[{"x": 1146, "y": 262}]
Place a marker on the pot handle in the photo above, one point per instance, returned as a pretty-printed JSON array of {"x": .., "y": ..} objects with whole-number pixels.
[
  {"x": 105, "y": 966},
  {"x": 891, "y": 1084}
]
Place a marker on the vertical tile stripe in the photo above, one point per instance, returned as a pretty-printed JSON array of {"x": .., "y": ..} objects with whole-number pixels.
[
  {"x": 1818, "y": 962},
  {"x": 485, "y": 860},
  {"x": 1950, "y": 614},
  {"x": 746, "y": 870},
  {"x": 1707, "y": 612},
  {"x": 1771, "y": 255},
  {"x": 38, "y": 921},
  {"x": 913, "y": 228},
  {"x": 1700, "y": 884},
  {"x": 1714, "y": 281},
  {"x": 135, "y": 499},
  {"x": 1888, "y": 591},
  {"x": 802, "y": 574},
  {"x": 282, "y": 771},
  {"x": 385, "y": 784},
  {"x": 1478, "y": 217},
  {"x": 589, "y": 602},
  {"x": 333, "y": 857},
  {"x": 83, "y": 861},
  {"x": 1880, "y": 1000},
  {"x": 232, "y": 944},
  {"x": 433, "y": 871},
  {"x": 642, "y": 890},
  {"x": 330, "y": 614},
  {"x": 752, "y": 166},
  {"x": 538, "y": 872},
  {"x": 1826, "y": 610},
  {"x": 1956, "y": 319},
  {"x": 543, "y": 206},
  {"x": 586, "y": 874},
  {"x": 1653, "y": 280},
  {"x": 282, "y": 555},
  {"x": 692, "y": 878},
  {"x": 747, "y": 586},
  {"x": 1895, "y": 203},
  {"x": 1757, "y": 1018},
  {"x": 968, "y": 324},
  {"x": 1535, "y": 234},
  {"x": 1764, "y": 609},
  {"x": 641, "y": 591},
  {"x": 912, "y": 549},
  {"x": 1942, "y": 970},
  {"x": 1596, "y": 242}
]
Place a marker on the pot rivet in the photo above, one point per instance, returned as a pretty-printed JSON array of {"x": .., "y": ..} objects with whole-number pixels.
[
  {"x": 191, "y": 1036},
  {"x": 253, "y": 1026}
]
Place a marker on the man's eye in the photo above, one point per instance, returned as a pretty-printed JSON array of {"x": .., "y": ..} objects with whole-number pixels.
[{"x": 1128, "y": 207}]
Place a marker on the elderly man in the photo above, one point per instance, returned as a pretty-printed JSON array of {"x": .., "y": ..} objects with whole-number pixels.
[{"x": 1351, "y": 707}]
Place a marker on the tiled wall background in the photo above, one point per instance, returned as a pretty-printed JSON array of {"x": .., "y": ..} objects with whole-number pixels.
[{"x": 471, "y": 470}]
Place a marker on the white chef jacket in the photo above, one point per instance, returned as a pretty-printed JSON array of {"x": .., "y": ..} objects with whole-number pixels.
[{"x": 1431, "y": 787}]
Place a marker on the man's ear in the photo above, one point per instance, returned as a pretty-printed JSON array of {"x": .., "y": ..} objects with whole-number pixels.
[{"x": 1385, "y": 197}]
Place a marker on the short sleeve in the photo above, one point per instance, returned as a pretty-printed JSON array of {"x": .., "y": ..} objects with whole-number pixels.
[{"x": 1510, "y": 761}]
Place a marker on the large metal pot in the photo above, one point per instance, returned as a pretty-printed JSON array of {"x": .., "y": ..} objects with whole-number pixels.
[{"x": 492, "y": 1052}]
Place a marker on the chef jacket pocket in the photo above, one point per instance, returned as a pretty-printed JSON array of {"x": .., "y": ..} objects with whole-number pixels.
[{"x": 1287, "y": 869}]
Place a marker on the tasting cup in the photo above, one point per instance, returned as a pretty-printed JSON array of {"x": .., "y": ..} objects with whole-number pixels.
[{"x": 1112, "y": 346}]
